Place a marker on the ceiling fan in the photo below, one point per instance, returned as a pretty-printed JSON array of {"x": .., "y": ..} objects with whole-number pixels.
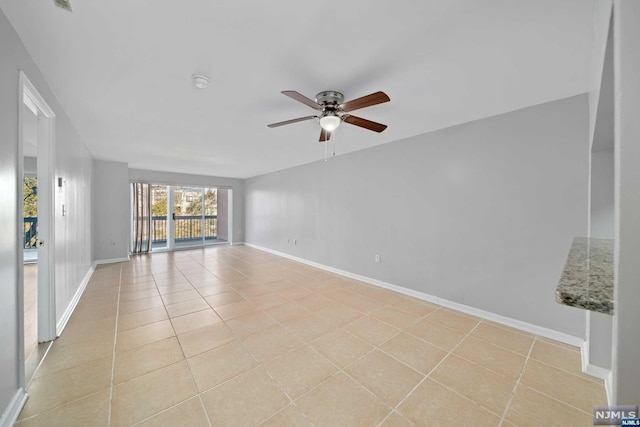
[{"x": 333, "y": 111}]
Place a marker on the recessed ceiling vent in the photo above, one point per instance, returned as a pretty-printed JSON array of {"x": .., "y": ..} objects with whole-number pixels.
[{"x": 65, "y": 4}]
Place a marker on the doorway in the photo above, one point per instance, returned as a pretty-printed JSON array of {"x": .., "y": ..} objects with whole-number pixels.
[{"x": 36, "y": 148}]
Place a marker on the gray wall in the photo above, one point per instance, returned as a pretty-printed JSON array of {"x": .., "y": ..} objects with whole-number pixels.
[
  {"x": 169, "y": 178},
  {"x": 602, "y": 203},
  {"x": 73, "y": 232},
  {"x": 111, "y": 210},
  {"x": 600, "y": 337},
  {"x": 482, "y": 214},
  {"x": 30, "y": 166},
  {"x": 74, "y": 242}
]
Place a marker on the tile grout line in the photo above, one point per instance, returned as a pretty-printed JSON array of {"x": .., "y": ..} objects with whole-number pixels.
[
  {"x": 427, "y": 376},
  {"x": 199, "y": 393},
  {"x": 552, "y": 366},
  {"x": 374, "y": 347},
  {"x": 307, "y": 344},
  {"x": 240, "y": 341},
  {"x": 260, "y": 364},
  {"x": 513, "y": 390},
  {"x": 113, "y": 359},
  {"x": 339, "y": 369},
  {"x": 379, "y": 348},
  {"x": 184, "y": 359}
]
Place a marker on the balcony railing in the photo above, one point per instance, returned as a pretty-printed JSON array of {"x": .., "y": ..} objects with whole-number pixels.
[
  {"x": 30, "y": 232},
  {"x": 187, "y": 228}
]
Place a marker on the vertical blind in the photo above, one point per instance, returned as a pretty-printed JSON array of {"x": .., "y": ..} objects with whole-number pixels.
[{"x": 141, "y": 217}]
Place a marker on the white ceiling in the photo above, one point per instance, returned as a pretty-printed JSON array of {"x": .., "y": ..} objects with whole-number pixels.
[{"x": 122, "y": 71}]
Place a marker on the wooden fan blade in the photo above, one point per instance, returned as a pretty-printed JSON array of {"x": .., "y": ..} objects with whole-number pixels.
[
  {"x": 365, "y": 101},
  {"x": 288, "y": 122},
  {"x": 364, "y": 123},
  {"x": 301, "y": 98},
  {"x": 324, "y": 135}
]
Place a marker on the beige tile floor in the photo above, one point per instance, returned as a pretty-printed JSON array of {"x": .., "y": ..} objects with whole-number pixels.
[{"x": 233, "y": 336}]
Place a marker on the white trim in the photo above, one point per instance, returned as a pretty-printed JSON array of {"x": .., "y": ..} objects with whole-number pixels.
[
  {"x": 12, "y": 412},
  {"x": 230, "y": 233},
  {"x": 507, "y": 321},
  {"x": 584, "y": 352},
  {"x": 171, "y": 223},
  {"x": 74, "y": 301},
  {"x": 596, "y": 371},
  {"x": 243, "y": 243},
  {"x": 111, "y": 260},
  {"x": 31, "y": 98},
  {"x": 608, "y": 387},
  {"x": 35, "y": 99},
  {"x": 590, "y": 369},
  {"x": 20, "y": 243}
]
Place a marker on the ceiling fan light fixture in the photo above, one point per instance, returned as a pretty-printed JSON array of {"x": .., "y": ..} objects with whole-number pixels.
[{"x": 329, "y": 122}]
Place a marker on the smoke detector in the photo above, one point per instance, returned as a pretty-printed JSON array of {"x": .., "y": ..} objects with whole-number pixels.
[
  {"x": 200, "y": 81},
  {"x": 65, "y": 4}
]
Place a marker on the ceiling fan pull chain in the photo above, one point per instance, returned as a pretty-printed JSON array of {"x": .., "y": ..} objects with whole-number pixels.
[{"x": 326, "y": 151}]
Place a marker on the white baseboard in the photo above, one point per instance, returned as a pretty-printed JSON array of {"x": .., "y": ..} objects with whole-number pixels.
[
  {"x": 503, "y": 320},
  {"x": 112, "y": 260},
  {"x": 608, "y": 387},
  {"x": 11, "y": 413},
  {"x": 74, "y": 302},
  {"x": 590, "y": 369},
  {"x": 595, "y": 371}
]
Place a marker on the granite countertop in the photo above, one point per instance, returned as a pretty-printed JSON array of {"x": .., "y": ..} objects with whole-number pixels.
[{"x": 587, "y": 279}]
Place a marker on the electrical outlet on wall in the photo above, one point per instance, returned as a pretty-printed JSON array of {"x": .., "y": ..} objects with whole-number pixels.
[{"x": 376, "y": 258}]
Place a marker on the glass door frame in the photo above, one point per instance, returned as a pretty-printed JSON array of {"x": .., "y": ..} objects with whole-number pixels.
[
  {"x": 201, "y": 237},
  {"x": 171, "y": 225}
]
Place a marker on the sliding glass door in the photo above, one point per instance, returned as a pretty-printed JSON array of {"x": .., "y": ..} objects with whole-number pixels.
[
  {"x": 210, "y": 217},
  {"x": 159, "y": 219},
  {"x": 188, "y": 216}
]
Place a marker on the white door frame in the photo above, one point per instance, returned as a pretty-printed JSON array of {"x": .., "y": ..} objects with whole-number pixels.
[
  {"x": 31, "y": 98},
  {"x": 230, "y": 216},
  {"x": 171, "y": 226}
]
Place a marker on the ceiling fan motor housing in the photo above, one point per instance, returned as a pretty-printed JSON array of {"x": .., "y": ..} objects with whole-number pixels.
[{"x": 330, "y": 98}]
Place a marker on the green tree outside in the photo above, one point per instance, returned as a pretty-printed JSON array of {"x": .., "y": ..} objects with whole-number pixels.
[
  {"x": 30, "y": 210},
  {"x": 30, "y": 192},
  {"x": 159, "y": 208}
]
